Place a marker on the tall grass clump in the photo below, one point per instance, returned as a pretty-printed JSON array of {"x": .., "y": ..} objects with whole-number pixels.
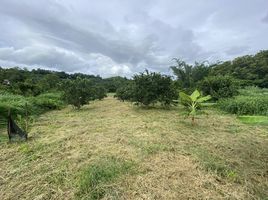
[
  {"x": 14, "y": 103},
  {"x": 95, "y": 181},
  {"x": 18, "y": 104},
  {"x": 48, "y": 101},
  {"x": 250, "y": 101}
]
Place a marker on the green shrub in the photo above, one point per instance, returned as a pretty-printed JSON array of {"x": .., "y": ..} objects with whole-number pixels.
[
  {"x": 48, "y": 101},
  {"x": 14, "y": 103},
  {"x": 18, "y": 104},
  {"x": 150, "y": 88},
  {"x": 245, "y": 105},
  {"x": 253, "y": 91},
  {"x": 80, "y": 91},
  {"x": 125, "y": 93},
  {"x": 219, "y": 86},
  {"x": 250, "y": 101}
]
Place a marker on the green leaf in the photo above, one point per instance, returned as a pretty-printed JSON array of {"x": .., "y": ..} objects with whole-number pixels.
[
  {"x": 203, "y": 99},
  {"x": 185, "y": 98},
  {"x": 195, "y": 95}
]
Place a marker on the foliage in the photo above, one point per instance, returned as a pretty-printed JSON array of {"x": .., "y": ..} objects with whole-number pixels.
[
  {"x": 24, "y": 122},
  {"x": 219, "y": 86},
  {"x": 252, "y": 69},
  {"x": 48, "y": 101},
  {"x": 251, "y": 101},
  {"x": 253, "y": 91},
  {"x": 80, "y": 91},
  {"x": 150, "y": 88},
  {"x": 125, "y": 92},
  {"x": 193, "y": 102},
  {"x": 114, "y": 83},
  {"x": 99, "y": 92},
  {"x": 188, "y": 75},
  {"x": 18, "y": 104},
  {"x": 31, "y": 83}
]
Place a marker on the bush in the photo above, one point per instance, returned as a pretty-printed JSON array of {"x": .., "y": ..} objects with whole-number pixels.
[
  {"x": 219, "y": 86},
  {"x": 125, "y": 93},
  {"x": 18, "y": 104},
  {"x": 150, "y": 88},
  {"x": 251, "y": 101},
  {"x": 243, "y": 105},
  {"x": 14, "y": 103},
  {"x": 253, "y": 91},
  {"x": 48, "y": 101},
  {"x": 80, "y": 91}
]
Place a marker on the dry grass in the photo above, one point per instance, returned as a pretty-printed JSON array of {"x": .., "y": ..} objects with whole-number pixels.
[{"x": 219, "y": 158}]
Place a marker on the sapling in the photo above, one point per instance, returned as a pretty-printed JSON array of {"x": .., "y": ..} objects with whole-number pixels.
[{"x": 193, "y": 102}]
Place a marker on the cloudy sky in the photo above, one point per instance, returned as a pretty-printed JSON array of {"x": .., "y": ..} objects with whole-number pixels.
[{"x": 122, "y": 37}]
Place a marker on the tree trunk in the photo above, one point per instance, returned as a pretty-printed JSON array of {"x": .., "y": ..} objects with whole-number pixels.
[{"x": 193, "y": 122}]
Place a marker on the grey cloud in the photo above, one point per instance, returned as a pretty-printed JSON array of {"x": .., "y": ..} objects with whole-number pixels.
[
  {"x": 236, "y": 50},
  {"x": 265, "y": 19},
  {"x": 123, "y": 37}
]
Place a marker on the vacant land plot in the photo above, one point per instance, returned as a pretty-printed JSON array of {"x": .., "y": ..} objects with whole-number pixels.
[{"x": 113, "y": 150}]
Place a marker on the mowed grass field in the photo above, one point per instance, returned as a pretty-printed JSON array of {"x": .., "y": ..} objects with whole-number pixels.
[{"x": 114, "y": 150}]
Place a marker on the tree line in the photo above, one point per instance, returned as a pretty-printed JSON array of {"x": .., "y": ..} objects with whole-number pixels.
[{"x": 220, "y": 80}]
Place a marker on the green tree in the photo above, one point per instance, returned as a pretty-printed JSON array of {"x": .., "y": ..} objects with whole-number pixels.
[
  {"x": 188, "y": 75},
  {"x": 252, "y": 69},
  {"x": 113, "y": 83},
  {"x": 49, "y": 82},
  {"x": 219, "y": 86},
  {"x": 125, "y": 92},
  {"x": 150, "y": 88},
  {"x": 80, "y": 91}
]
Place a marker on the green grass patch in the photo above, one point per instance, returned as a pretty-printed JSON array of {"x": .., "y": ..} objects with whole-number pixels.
[
  {"x": 149, "y": 148},
  {"x": 254, "y": 120},
  {"x": 3, "y": 137},
  {"x": 95, "y": 181},
  {"x": 213, "y": 163},
  {"x": 208, "y": 104}
]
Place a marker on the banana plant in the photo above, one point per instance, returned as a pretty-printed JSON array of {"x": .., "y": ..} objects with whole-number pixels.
[{"x": 193, "y": 102}]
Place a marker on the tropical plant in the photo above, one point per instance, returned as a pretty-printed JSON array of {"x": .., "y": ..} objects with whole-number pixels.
[
  {"x": 193, "y": 102},
  {"x": 188, "y": 75}
]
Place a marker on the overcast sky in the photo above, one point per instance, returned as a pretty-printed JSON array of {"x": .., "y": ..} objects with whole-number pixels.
[{"x": 122, "y": 37}]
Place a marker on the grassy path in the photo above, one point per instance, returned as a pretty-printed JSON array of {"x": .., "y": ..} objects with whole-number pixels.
[{"x": 113, "y": 150}]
